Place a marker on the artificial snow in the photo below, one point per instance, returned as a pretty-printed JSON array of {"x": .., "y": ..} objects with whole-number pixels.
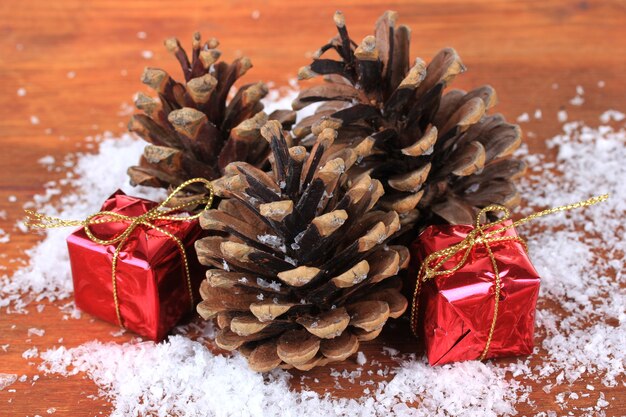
[
  {"x": 33, "y": 331},
  {"x": 580, "y": 256},
  {"x": 4, "y": 236},
  {"x": 6, "y": 380},
  {"x": 46, "y": 160},
  {"x": 30, "y": 353},
  {"x": 586, "y": 285},
  {"x": 612, "y": 115},
  {"x": 577, "y": 101},
  {"x": 181, "y": 377},
  {"x": 522, "y": 118},
  {"x": 273, "y": 241}
]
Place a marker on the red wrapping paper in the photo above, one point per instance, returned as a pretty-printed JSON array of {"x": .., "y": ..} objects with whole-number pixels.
[
  {"x": 152, "y": 286},
  {"x": 456, "y": 310}
]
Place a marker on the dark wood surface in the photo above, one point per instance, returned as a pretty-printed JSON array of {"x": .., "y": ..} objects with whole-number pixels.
[{"x": 520, "y": 47}]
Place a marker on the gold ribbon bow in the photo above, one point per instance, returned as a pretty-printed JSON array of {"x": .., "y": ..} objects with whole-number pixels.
[
  {"x": 481, "y": 235},
  {"x": 160, "y": 212}
]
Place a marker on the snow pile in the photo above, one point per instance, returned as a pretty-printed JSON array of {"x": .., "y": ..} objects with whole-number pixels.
[
  {"x": 181, "y": 377},
  {"x": 582, "y": 271}
]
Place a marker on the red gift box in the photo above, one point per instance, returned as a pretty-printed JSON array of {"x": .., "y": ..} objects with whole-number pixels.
[
  {"x": 456, "y": 310},
  {"x": 153, "y": 292}
]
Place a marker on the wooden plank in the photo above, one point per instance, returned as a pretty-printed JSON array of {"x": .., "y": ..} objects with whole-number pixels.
[{"x": 520, "y": 47}]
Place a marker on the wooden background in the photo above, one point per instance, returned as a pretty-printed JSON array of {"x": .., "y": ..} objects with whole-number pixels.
[{"x": 79, "y": 61}]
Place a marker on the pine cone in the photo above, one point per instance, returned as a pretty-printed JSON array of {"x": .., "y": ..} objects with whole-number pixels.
[
  {"x": 300, "y": 272},
  {"x": 193, "y": 129},
  {"x": 440, "y": 156}
]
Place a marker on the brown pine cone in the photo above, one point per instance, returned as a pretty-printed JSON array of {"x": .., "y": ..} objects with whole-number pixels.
[
  {"x": 300, "y": 269},
  {"x": 439, "y": 154},
  {"x": 194, "y": 130}
]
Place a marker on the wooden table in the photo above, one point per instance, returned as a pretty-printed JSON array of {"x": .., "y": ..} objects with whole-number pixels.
[{"x": 79, "y": 61}]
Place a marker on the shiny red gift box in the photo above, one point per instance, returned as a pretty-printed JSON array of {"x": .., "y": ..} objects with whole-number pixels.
[
  {"x": 456, "y": 310},
  {"x": 152, "y": 288}
]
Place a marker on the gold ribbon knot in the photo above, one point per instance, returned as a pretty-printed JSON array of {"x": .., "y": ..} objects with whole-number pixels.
[
  {"x": 432, "y": 266},
  {"x": 160, "y": 212}
]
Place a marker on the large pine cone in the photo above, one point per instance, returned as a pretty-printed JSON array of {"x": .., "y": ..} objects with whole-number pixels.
[
  {"x": 440, "y": 156},
  {"x": 300, "y": 270},
  {"x": 194, "y": 130}
]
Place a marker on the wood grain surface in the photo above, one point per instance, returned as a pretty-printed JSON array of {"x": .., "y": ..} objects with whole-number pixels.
[{"x": 80, "y": 61}]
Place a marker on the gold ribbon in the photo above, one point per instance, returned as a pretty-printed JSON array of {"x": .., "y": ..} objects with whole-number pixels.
[
  {"x": 432, "y": 266},
  {"x": 160, "y": 212}
]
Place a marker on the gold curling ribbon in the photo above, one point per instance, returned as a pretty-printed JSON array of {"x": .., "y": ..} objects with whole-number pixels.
[
  {"x": 432, "y": 266},
  {"x": 160, "y": 212}
]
